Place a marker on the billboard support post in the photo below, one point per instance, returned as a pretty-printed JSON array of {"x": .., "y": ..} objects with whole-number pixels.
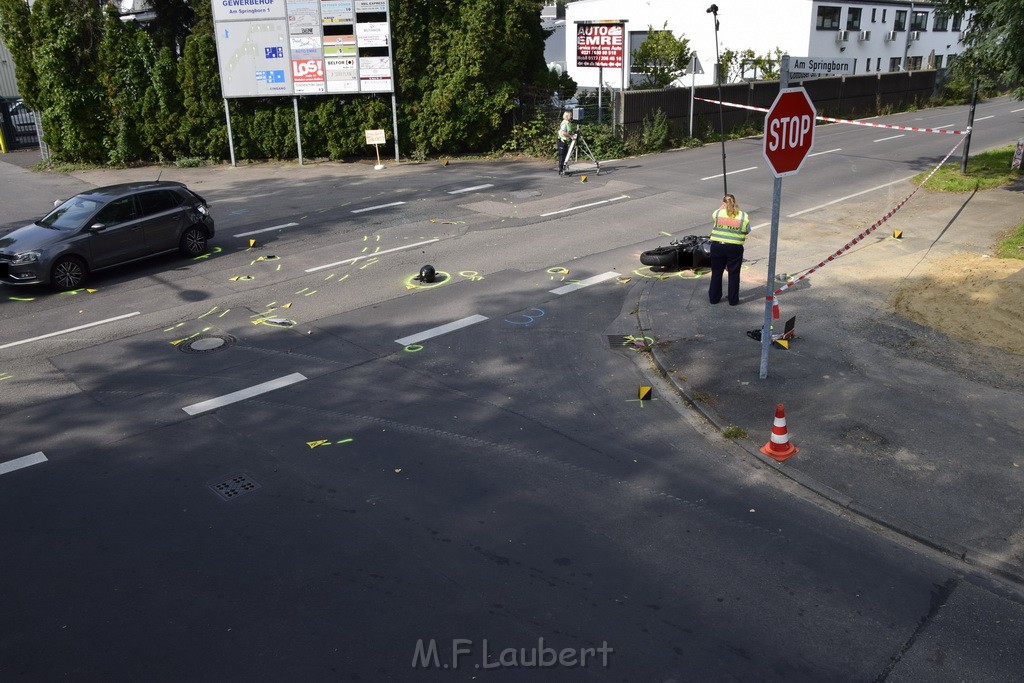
[
  {"x": 298, "y": 128},
  {"x": 394, "y": 122},
  {"x": 231, "y": 141}
]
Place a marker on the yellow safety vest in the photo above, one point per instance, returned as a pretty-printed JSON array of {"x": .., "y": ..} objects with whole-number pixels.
[{"x": 730, "y": 230}]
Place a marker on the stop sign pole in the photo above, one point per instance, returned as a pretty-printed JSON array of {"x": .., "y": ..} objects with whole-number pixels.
[{"x": 788, "y": 137}]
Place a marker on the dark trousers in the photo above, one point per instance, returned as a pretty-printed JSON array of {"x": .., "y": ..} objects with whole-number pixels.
[
  {"x": 725, "y": 257},
  {"x": 563, "y": 147}
]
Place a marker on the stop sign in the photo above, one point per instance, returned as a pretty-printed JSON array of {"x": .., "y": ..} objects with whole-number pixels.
[{"x": 788, "y": 131}]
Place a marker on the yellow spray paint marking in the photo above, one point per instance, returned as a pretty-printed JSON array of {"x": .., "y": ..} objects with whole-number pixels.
[
  {"x": 311, "y": 292},
  {"x": 623, "y": 279},
  {"x": 365, "y": 249},
  {"x": 5, "y": 375},
  {"x": 224, "y": 313},
  {"x": 304, "y": 289},
  {"x": 413, "y": 348},
  {"x": 471, "y": 275},
  {"x": 320, "y": 442},
  {"x": 369, "y": 263},
  {"x": 72, "y": 292},
  {"x": 344, "y": 441},
  {"x": 344, "y": 277},
  {"x": 329, "y": 277},
  {"x": 287, "y": 305},
  {"x": 278, "y": 267},
  {"x": 666, "y": 234},
  {"x": 172, "y": 327},
  {"x": 216, "y": 250},
  {"x": 558, "y": 270},
  {"x": 92, "y": 291},
  {"x": 20, "y": 298},
  {"x": 442, "y": 278},
  {"x": 208, "y": 312}
]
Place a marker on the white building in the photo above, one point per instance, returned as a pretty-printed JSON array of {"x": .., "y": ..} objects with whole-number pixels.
[{"x": 882, "y": 36}]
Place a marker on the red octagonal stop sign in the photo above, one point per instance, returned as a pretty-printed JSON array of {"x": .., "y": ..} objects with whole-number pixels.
[{"x": 788, "y": 131}]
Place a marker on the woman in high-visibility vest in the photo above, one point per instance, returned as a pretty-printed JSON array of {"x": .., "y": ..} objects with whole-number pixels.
[{"x": 730, "y": 229}]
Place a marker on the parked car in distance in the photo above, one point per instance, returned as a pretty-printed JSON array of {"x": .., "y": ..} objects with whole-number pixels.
[{"x": 106, "y": 227}]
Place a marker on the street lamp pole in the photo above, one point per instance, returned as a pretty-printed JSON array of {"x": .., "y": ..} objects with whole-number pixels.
[{"x": 713, "y": 10}]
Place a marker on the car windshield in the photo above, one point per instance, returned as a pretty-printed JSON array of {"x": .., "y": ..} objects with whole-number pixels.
[{"x": 71, "y": 215}]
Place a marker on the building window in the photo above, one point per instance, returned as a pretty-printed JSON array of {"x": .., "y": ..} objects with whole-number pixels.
[
  {"x": 883, "y": 15},
  {"x": 894, "y": 64},
  {"x": 878, "y": 64},
  {"x": 873, "y": 10},
  {"x": 828, "y": 18},
  {"x": 914, "y": 63},
  {"x": 853, "y": 19},
  {"x": 919, "y": 22},
  {"x": 938, "y": 61},
  {"x": 949, "y": 61},
  {"x": 941, "y": 22},
  {"x": 901, "y": 20},
  {"x": 957, "y": 20}
]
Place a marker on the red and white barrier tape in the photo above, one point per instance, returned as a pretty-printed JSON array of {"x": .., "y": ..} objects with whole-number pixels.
[
  {"x": 852, "y": 123},
  {"x": 867, "y": 232}
]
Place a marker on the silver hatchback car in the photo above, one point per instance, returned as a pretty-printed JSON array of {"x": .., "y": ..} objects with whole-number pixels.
[{"x": 106, "y": 227}]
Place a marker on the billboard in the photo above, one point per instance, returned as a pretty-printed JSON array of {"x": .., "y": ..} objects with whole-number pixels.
[
  {"x": 303, "y": 47},
  {"x": 600, "y": 44}
]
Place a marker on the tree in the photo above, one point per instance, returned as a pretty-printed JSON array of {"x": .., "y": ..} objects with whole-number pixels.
[
  {"x": 746, "y": 65},
  {"x": 66, "y": 35},
  {"x": 662, "y": 58},
  {"x": 203, "y": 128},
  {"x": 995, "y": 40},
  {"x": 125, "y": 60},
  {"x": 16, "y": 32}
]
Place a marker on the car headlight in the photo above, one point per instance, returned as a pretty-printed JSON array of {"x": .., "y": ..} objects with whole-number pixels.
[
  {"x": 26, "y": 257},
  {"x": 201, "y": 208}
]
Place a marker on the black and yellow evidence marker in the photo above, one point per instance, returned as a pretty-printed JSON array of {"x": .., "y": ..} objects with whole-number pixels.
[
  {"x": 326, "y": 442},
  {"x": 645, "y": 393},
  {"x": 897, "y": 234},
  {"x": 782, "y": 343}
]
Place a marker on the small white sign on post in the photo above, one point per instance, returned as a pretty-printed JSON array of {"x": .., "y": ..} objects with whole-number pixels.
[
  {"x": 376, "y": 137},
  {"x": 1018, "y": 153}
]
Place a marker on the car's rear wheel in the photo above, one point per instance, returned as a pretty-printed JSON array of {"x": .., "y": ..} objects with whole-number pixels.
[
  {"x": 68, "y": 273},
  {"x": 194, "y": 242}
]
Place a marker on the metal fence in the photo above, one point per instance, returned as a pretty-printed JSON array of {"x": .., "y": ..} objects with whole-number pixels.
[
  {"x": 840, "y": 97},
  {"x": 18, "y": 125}
]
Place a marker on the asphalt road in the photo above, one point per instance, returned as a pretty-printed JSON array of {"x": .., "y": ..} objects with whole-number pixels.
[{"x": 447, "y": 464}]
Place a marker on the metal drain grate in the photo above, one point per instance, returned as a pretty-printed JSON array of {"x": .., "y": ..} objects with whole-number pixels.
[
  {"x": 232, "y": 488},
  {"x": 629, "y": 341},
  {"x": 207, "y": 343}
]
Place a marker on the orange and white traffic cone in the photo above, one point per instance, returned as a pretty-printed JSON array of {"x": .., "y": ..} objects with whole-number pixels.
[{"x": 779, "y": 448}]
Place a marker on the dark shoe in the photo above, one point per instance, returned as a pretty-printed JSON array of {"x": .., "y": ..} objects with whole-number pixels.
[
  {"x": 734, "y": 303},
  {"x": 714, "y": 302}
]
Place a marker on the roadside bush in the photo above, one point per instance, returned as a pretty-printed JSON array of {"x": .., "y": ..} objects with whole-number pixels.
[{"x": 533, "y": 137}]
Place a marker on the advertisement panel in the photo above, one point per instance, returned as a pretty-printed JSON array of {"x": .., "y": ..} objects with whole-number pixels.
[
  {"x": 600, "y": 44},
  {"x": 303, "y": 47}
]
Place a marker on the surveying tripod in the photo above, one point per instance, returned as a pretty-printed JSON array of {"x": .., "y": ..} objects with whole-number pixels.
[{"x": 572, "y": 154}]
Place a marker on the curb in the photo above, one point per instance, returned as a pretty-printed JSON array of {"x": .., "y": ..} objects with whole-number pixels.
[{"x": 951, "y": 549}]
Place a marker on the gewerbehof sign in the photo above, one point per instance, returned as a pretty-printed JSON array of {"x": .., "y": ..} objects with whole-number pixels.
[{"x": 303, "y": 47}]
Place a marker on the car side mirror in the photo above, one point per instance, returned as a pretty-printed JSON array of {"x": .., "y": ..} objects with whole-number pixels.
[{"x": 97, "y": 227}]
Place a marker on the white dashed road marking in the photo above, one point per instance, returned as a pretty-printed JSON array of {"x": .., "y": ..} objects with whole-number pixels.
[
  {"x": 585, "y": 283},
  {"x": 471, "y": 189},
  {"x": 374, "y": 254},
  {"x": 21, "y": 463},
  {"x": 585, "y": 206},
  {"x": 374, "y": 208},
  {"x": 442, "y": 329},
  {"x": 69, "y": 330},
  {"x": 256, "y": 232},
  {"x": 242, "y": 394}
]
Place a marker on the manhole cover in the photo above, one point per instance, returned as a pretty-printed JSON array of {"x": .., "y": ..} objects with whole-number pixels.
[
  {"x": 206, "y": 343},
  {"x": 232, "y": 488}
]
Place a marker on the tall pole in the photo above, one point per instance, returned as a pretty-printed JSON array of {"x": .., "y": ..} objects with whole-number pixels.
[
  {"x": 773, "y": 247},
  {"x": 713, "y": 10},
  {"x": 970, "y": 127}
]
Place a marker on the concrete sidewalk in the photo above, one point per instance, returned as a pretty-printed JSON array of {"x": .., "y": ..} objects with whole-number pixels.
[{"x": 894, "y": 421}]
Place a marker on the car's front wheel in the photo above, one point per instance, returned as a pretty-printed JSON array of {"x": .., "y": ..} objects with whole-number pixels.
[
  {"x": 194, "y": 242},
  {"x": 68, "y": 273}
]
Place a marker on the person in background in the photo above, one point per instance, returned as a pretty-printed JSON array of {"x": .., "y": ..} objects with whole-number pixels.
[
  {"x": 565, "y": 136},
  {"x": 729, "y": 230}
]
